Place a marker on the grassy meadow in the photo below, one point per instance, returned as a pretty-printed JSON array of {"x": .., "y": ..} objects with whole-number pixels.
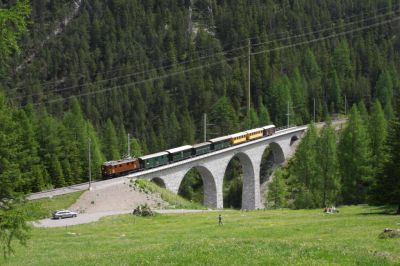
[
  {"x": 42, "y": 208},
  {"x": 272, "y": 237}
]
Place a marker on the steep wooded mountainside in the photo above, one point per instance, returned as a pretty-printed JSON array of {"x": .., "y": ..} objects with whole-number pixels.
[{"x": 152, "y": 68}]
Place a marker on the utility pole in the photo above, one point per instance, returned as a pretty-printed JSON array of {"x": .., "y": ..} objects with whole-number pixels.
[
  {"x": 314, "y": 108},
  {"x": 248, "y": 88},
  {"x": 210, "y": 10},
  {"x": 288, "y": 114},
  {"x": 90, "y": 166},
  {"x": 205, "y": 126},
  {"x": 190, "y": 22},
  {"x": 129, "y": 145}
]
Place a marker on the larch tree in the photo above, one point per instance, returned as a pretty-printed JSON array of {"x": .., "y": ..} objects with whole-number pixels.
[
  {"x": 13, "y": 24},
  {"x": 110, "y": 142},
  {"x": 386, "y": 189},
  {"x": 304, "y": 170},
  {"x": 263, "y": 117},
  {"x": 328, "y": 167},
  {"x": 355, "y": 159},
  {"x": 276, "y": 195},
  {"x": 377, "y": 129}
]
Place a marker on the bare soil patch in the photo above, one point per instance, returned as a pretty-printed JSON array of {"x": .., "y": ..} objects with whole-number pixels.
[{"x": 118, "y": 197}]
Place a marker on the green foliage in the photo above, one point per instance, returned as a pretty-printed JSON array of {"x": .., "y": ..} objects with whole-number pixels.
[
  {"x": 386, "y": 190},
  {"x": 110, "y": 142},
  {"x": 191, "y": 187},
  {"x": 175, "y": 201},
  {"x": 43, "y": 208},
  {"x": 328, "y": 167},
  {"x": 233, "y": 185},
  {"x": 13, "y": 24},
  {"x": 13, "y": 226},
  {"x": 279, "y": 95},
  {"x": 377, "y": 128},
  {"x": 136, "y": 150},
  {"x": 223, "y": 117},
  {"x": 304, "y": 169},
  {"x": 276, "y": 196},
  {"x": 123, "y": 43},
  {"x": 264, "y": 118},
  {"x": 355, "y": 159}
]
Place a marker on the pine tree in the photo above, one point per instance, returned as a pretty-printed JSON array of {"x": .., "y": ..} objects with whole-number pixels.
[
  {"x": 251, "y": 120},
  {"x": 122, "y": 141},
  {"x": 384, "y": 88},
  {"x": 386, "y": 189},
  {"x": 264, "y": 118},
  {"x": 276, "y": 196},
  {"x": 174, "y": 131},
  {"x": 188, "y": 128},
  {"x": 304, "y": 171},
  {"x": 97, "y": 157},
  {"x": 328, "y": 167},
  {"x": 224, "y": 117},
  {"x": 56, "y": 173},
  {"x": 355, "y": 159},
  {"x": 110, "y": 142},
  {"x": 299, "y": 96},
  {"x": 362, "y": 109},
  {"x": 334, "y": 91},
  {"x": 378, "y": 133},
  {"x": 136, "y": 149},
  {"x": 10, "y": 176},
  {"x": 279, "y": 98}
]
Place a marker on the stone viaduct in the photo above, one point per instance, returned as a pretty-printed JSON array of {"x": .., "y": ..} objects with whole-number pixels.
[{"x": 212, "y": 167}]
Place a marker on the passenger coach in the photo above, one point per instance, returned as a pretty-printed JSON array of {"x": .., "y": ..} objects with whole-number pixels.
[{"x": 116, "y": 168}]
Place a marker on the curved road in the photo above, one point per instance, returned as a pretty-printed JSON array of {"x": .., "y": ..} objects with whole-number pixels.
[{"x": 94, "y": 217}]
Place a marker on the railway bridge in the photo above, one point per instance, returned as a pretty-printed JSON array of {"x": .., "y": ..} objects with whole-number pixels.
[{"x": 212, "y": 167}]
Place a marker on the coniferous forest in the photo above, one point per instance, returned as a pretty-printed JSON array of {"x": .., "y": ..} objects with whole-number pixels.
[{"x": 80, "y": 71}]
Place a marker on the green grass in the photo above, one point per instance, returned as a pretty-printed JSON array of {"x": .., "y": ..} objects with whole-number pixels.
[
  {"x": 278, "y": 237},
  {"x": 42, "y": 208},
  {"x": 175, "y": 201}
]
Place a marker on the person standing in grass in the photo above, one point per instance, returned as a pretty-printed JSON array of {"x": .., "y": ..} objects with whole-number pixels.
[{"x": 220, "y": 220}]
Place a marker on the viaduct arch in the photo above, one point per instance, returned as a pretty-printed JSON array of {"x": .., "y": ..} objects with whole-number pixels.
[{"x": 212, "y": 168}]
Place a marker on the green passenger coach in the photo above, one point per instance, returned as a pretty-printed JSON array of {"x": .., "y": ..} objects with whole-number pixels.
[
  {"x": 153, "y": 160},
  {"x": 220, "y": 143},
  {"x": 201, "y": 148},
  {"x": 180, "y": 153}
]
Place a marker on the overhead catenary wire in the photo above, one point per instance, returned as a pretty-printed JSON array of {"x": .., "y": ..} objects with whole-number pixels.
[
  {"x": 322, "y": 30},
  {"x": 222, "y": 61},
  {"x": 327, "y": 37},
  {"x": 138, "y": 82},
  {"x": 222, "y": 53},
  {"x": 163, "y": 68}
]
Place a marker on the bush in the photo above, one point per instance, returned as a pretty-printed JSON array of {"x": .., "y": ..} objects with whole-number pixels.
[
  {"x": 390, "y": 233},
  {"x": 174, "y": 200},
  {"x": 143, "y": 210}
]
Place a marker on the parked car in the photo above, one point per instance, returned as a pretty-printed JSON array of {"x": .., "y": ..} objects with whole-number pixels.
[{"x": 64, "y": 214}]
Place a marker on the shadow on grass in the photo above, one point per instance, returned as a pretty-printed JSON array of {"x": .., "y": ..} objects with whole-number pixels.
[{"x": 379, "y": 210}]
